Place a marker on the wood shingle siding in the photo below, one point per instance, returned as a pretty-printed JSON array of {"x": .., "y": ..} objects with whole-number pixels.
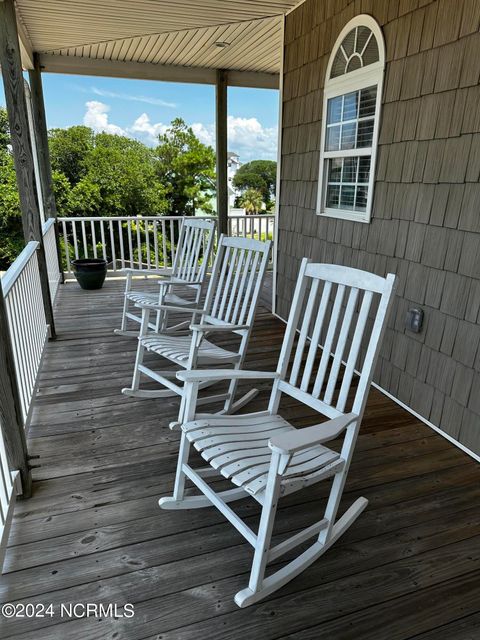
[{"x": 426, "y": 212}]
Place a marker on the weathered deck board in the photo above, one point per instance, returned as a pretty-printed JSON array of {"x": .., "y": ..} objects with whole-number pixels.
[{"x": 93, "y": 531}]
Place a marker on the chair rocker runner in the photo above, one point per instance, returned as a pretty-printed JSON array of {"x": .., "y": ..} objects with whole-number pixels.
[
  {"x": 266, "y": 457},
  {"x": 230, "y": 305},
  {"x": 188, "y": 272}
]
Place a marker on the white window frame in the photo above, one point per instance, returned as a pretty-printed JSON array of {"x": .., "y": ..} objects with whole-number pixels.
[{"x": 347, "y": 83}]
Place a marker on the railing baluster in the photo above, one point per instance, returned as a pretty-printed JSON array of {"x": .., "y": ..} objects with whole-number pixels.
[
  {"x": 130, "y": 242},
  {"x": 164, "y": 244},
  {"x": 94, "y": 239},
  {"x": 172, "y": 242},
  {"x": 112, "y": 247},
  {"x": 66, "y": 245},
  {"x": 84, "y": 236},
  {"x": 147, "y": 242},
  {"x": 102, "y": 236},
  {"x": 139, "y": 244},
  {"x": 155, "y": 242},
  {"x": 122, "y": 250},
  {"x": 75, "y": 241}
]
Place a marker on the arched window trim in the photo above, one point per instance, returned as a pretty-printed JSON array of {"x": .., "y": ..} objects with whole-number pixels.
[{"x": 354, "y": 80}]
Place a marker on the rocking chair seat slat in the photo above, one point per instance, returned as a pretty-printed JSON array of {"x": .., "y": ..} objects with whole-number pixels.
[
  {"x": 238, "y": 448},
  {"x": 143, "y": 297},
  {"x": 177, "y": 349}
]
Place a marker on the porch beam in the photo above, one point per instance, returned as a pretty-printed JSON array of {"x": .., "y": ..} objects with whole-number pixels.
[
  {"x": 221, "y": 138},
  {"x": 148, "y": 71},
  {"x": 11, "y": 422},
  {"x": 13, "y": 82}
]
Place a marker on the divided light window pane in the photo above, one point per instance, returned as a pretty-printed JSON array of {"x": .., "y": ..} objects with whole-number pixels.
[
  {"x": 350, "y": 120},
  {"x": 350, "y": 124},
  {"x": 347, "y": 183}
]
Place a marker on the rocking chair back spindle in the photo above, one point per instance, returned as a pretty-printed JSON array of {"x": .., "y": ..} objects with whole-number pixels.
[{"x": 332, "y": 311}]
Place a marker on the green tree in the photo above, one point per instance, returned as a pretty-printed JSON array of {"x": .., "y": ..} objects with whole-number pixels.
[
  {"x": 120, "y": 179},
  {"x": 251, "y": 200},
  {"x": 186, "y": 168},
  {"x": 107, "y": 175},
  {"x": 69, "y": 149},
  {"x": 260, "y": 175},
  {"x": 104, "y": 175},
  {"x": 61, "y": 190},
  {"x": 4, "y": 129},
  {"x": 11, "y": 233}
]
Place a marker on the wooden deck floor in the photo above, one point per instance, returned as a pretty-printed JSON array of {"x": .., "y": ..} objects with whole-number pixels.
[{"x": 93, "y": 533}]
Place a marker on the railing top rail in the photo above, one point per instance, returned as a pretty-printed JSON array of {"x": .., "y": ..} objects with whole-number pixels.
[
  {"x": 47, "y": 225},
  {"x": 250, "y": 216},
  {"x": 165, "y": 218},
  {"x": 15, "y": 269},
  {"x": 123, "y": 218}
]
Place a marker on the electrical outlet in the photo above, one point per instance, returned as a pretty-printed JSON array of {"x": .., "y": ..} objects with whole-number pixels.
[{"x": 414, "y": 321}]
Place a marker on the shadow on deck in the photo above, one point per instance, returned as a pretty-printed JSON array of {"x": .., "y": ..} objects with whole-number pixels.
[{"x": 93, "y": 533}]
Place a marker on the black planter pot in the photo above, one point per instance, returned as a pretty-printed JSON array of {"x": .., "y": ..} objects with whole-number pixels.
[{"x": 90, "y": 272}]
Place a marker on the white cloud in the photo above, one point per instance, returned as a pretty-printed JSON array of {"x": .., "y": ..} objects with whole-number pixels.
[
  {"x": 96, "y": 117},
  {"x": 205, "y": 133},
  {"x": 147, "y": 131},
  {"x": 246, "y": 136},
  {"x": 132, "y": 97},
  {"x": 250, "y": 139}
]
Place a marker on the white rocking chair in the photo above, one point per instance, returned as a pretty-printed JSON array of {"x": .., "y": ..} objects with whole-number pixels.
[
  {"x": 266, "y": 457},
  {"x": 188, "y": 272},
  {"x": 230, "y": 306}
]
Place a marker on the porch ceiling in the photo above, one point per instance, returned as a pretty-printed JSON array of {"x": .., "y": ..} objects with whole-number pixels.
[{"x": 99, "y": 37}]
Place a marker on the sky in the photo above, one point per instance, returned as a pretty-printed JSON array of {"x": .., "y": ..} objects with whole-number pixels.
[{"x": 142, "y": 109}]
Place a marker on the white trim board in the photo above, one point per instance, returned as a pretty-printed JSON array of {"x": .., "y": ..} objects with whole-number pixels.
[
  {"x": 148, "y": 71},
  {"x": 447, "y": 436},
  {"x": 427, "y": 422},
  {"x": 295, "y": 7},
  {"x": 279, "y": 171}
]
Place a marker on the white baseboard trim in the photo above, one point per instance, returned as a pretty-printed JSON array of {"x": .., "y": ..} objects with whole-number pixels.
[
  {"x": 445, "y": 435},
  {"x": 428, "y": 423}
]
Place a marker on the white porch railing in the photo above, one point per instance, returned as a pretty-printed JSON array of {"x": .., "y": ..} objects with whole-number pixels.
[
  {"x": 22, "y": 292},
  {"x": 21, "y": 289},
  {"x": 7, "y": 494},
  {"x": 51, "y": 257},
  {"x": 26, "y": 317},
  {"x": 138, "y": 241}
]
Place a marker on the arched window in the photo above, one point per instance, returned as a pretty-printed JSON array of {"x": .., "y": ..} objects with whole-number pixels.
[{"x": 351, "y": 113}]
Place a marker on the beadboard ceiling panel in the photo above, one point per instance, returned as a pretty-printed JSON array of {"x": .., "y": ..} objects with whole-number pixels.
[
  {"x": 160, "y": 32},
  {"x": 252, "y": 46}
]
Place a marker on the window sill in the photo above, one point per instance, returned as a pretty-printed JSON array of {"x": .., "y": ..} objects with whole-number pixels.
[{"x": 344, "y": 214}]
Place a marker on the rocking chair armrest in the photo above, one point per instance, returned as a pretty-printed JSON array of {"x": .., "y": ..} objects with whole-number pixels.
[
  {"x": 225, "y": 374},
  {"x": 177, "y": 283},
  {"x": 167, "y": 271},
  {"x": 214, "y": 328},
  {"x": 289, "y": 442},
  {"x": 167, "y": 307}
]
